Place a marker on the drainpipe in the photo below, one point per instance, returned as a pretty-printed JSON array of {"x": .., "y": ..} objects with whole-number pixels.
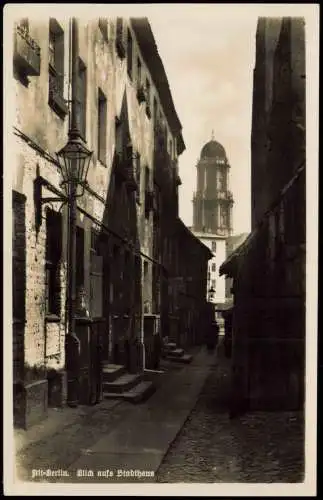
[{"x": 72, "y": 341}]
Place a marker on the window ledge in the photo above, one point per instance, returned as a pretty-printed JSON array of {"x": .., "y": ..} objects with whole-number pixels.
[
  {"x": 52, "y": 318},
  {"x": 58, "y": 104}
]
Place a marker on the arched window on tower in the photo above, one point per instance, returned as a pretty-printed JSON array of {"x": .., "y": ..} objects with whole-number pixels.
[
  {"x": 221, "y": 180},
  {"x": 223, "y": 217}
]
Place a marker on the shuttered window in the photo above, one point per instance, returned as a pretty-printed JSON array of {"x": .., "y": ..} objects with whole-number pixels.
[
  {"x": 56, "y": 57},
  {"x": 96, "y": 278}
]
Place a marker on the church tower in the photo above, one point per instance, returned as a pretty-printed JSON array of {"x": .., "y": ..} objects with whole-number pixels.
[{"x": 212, "y": 203}]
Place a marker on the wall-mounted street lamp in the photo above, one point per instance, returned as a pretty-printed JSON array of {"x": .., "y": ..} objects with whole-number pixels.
[{"x": 74, "y": 161}]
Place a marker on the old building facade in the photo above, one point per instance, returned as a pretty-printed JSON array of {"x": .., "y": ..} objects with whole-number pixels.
[
  {"x": 268, "y": 269},
  {"x": 124, "y": 230}
]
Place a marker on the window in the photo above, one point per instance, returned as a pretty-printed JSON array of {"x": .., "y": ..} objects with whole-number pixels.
[
  {"x": 138, "y": 72},
  {"x": 119, "y": 28},
  {"x": 223, "y": 217},
  {"x": 104, "y": 28},
  {"x": 102, "y": 127},
  {"x": 148, "y": 89},
  {"x": 129, "y": 54},
  {"x": 213, "y": 284},
  {"x": 96, "y": 276},
  {"x": 52, "y": 266},
  {"x": 213, "y": 246},
  {"x": 213, "y": 267},
  {"x": 155, "y": 111},
  {"x": 148, "y": 98},
  {"x": 119, "y": 39},
  {"x": 56, "y": 68},
  {"x": 82, "y": 97},
  {"x": 147, "y": 187},
  {"x": 138, "y": 176},
  {"x": 221, "y": 180}
]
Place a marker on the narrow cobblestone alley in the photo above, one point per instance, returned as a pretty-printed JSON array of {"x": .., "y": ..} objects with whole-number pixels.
[{"x": 265, "y": 447}]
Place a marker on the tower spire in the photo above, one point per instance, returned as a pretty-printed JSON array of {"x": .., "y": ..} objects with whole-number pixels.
[{"x": 212, "y": 135}]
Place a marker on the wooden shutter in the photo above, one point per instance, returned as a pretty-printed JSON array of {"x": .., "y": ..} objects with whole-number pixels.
[{"x": 96, "y": 285}]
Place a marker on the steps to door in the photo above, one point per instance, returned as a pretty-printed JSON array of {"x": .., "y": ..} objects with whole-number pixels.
[
  {"x": 173, "y": 353},
  {"x": 119, "y": 384}
]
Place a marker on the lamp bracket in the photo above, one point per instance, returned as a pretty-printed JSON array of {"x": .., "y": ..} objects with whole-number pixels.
[{"x": 41, "y": 200}]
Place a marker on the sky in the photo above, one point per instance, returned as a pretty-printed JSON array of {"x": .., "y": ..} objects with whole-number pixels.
[{"x": 208, "y": 57}]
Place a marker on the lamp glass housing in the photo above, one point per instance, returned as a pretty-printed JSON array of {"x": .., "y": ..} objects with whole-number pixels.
[{"x": 74, "y": 161}]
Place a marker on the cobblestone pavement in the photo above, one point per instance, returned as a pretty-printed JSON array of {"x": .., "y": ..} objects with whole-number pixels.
[{"x": 264, "y": 447}]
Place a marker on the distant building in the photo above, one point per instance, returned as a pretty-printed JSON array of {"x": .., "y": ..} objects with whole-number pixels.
[
  {"x": 212, "y": 213},
  {"x": 232, "y": 243}
]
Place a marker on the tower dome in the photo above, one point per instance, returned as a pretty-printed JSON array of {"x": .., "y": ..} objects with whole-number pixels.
[{"x": 212, "y": 149}]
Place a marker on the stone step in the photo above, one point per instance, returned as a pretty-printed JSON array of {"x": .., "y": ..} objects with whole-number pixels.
[
  {"x": 185, "y": 358},
  {"x": 139, "y": 393},
  {"x": 177, "y": 352},
  {"x": 169, "y": 346},
  {"x": 111, "y": 372},
  {"x": 123, "y": 383}
]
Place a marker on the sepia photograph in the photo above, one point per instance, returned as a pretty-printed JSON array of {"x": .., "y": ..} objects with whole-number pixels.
[{"x": 160, "y": 249}]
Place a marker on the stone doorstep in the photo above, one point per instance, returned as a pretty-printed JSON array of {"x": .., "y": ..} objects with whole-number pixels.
[
  {"x": 170, "y": 346},
  {"x": 111, "y": 372},
  {"x": 185, "y": 358},
  {"x": 123, "y": 383},
  {"x": 176, "y": 352},
  {"x": 137, "y": 394}
]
